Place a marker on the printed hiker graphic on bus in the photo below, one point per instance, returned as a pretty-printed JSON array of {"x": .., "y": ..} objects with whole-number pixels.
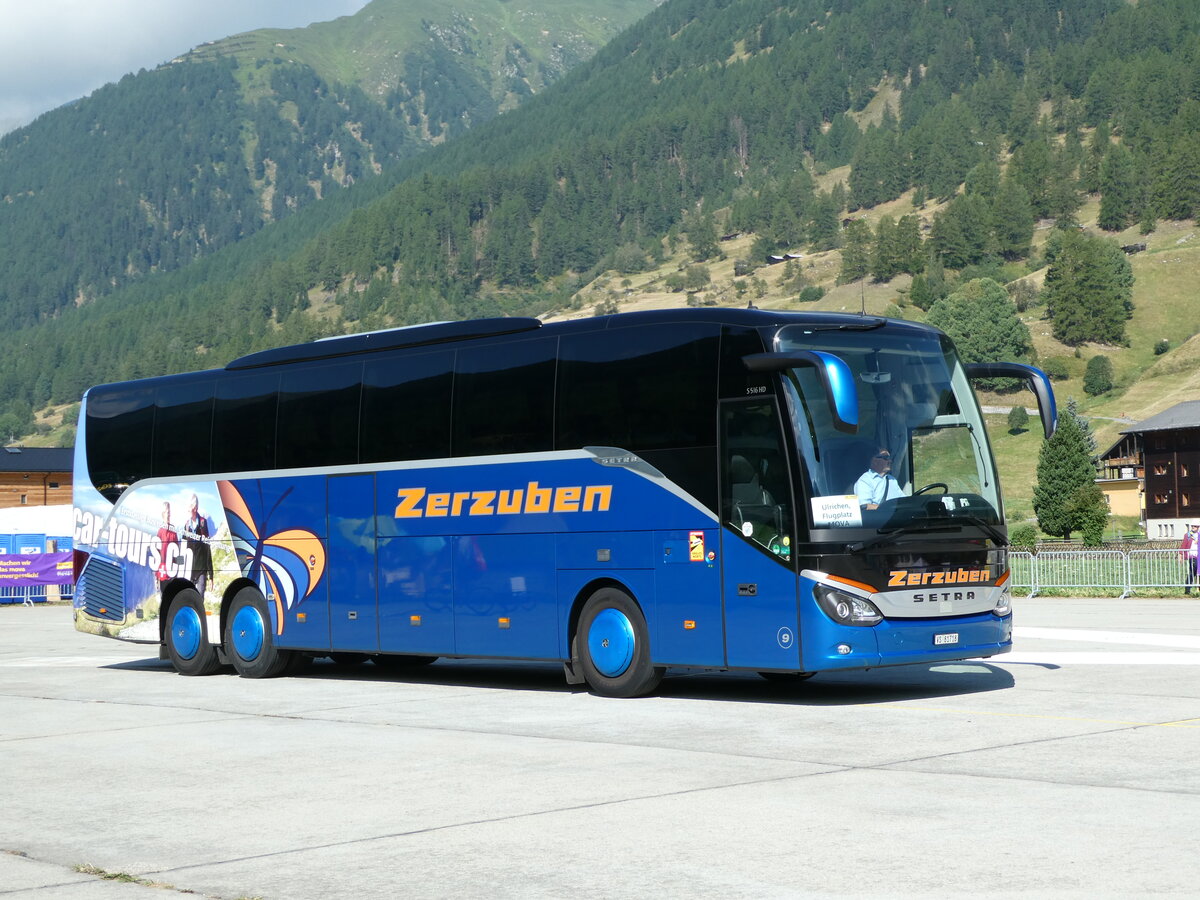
[{"x": 287, "y": 564}]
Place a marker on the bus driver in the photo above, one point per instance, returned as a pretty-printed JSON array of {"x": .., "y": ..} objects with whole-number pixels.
[{"x": 877, "y": 484}]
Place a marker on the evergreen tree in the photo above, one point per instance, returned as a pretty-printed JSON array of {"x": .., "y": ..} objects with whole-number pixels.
[
  {"x": 1177, "y": 186},
  {"x": 823, "y": 227},
  {"x": 1117, "y": 189},
  {"x": 1098, "y": 377},
  {"x": 920, "y": 294},
  {"x": 1088, "y": 288},
  {"x": 982, "y": 322},
  {"x": 961, "y": 232},
  {"x": 1012, "y": 219},
  {"x": 1097, "y": 149},
  {"x": 856, "y": 252},
  {"x": 1089, "y": 513},
  {"x": 910, "y": 254},
  {"x": 1064, "y": 468},
  {"x": 702, "y": 237},
  {"x": 885, "y": 256}
]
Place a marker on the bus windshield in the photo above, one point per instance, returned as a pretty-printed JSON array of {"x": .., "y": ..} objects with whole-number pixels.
[{"x": 920, "y": 459}]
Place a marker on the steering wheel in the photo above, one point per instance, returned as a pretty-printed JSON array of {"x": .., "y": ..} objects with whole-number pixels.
[{"x": 929, "y": 487}]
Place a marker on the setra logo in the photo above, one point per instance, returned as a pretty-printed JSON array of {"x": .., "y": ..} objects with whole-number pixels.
[{"x": 419, "y": 503}]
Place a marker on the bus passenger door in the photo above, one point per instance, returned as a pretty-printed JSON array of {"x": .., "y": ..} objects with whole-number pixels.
[
  {"x": 353, "y": 599},
  {"x": 758, "y": 537}
]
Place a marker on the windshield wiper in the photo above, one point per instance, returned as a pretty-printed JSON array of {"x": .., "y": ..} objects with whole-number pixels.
[
  {"x": 928, "y": 526},
  {"x": 887, "y": 534},
  {"x": 993, "y": 532}
]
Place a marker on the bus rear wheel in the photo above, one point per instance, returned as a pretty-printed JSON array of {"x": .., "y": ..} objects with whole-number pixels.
[
  {"x": 186, "y": 636},
  {"x": 614, "y": 646},
  {"x": 249, "y": 641}
]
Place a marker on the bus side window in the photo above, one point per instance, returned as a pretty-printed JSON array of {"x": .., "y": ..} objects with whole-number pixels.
[
  {"x": 120, "y": 428},
  {"x": 183, "y": 428},
  {"x": 318, "y": 416},
  {"x": 406, "y": 407},
  {"x": 244, "y": 423},
  {"x": 638, "y": 388},
  {"x": 504, "y": 398},
  {"x": 756, "y": 489}
]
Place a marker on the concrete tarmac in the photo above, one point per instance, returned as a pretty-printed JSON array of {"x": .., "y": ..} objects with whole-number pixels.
[{"x": 1069, "y": 768}]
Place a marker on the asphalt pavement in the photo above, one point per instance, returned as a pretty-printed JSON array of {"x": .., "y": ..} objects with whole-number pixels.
[{"x": 1068, "y": 768}]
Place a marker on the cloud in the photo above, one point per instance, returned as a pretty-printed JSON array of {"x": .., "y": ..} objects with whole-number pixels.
[{"x": 55, "y": 51}]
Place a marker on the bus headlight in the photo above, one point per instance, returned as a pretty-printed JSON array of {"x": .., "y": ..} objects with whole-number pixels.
[
  {"x": 1003, "y": 603},
  {"x": 846, "y": 609}
]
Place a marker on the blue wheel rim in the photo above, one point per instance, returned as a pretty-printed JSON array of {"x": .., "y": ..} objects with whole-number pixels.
[
  {"x": 248, "y": 633},
  {"x": 186, "y": 632},
  {"x": 611, "y": 642}
]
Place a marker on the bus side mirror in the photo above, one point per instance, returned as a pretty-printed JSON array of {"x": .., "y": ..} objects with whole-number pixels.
[
  {"x": 840, "y": 391},
  {"x": 1039, "y": 383}
]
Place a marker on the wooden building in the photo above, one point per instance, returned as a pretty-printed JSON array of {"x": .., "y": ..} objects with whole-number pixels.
[
  {"x": 1162, "y": 453},
  {"x": 35, "y": 476}
]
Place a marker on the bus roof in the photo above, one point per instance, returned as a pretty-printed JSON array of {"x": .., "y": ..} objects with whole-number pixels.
[{"x": 451, "y": 332}]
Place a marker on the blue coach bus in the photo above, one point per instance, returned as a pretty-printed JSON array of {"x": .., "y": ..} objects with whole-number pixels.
[{"x": 623, "y": 494}]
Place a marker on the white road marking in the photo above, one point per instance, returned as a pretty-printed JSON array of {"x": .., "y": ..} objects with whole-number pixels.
[
  {"x": 1099, "y": 658},
  {"x": 1135, "y": 638},
  {"x": 1025, "y": 643},
  {"x": 37, "y": 662}
]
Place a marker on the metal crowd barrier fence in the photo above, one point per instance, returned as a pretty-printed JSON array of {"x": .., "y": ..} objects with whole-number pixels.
[
  {"x": 1127, "y": 571},
  {"x": 27, "y": 595}
]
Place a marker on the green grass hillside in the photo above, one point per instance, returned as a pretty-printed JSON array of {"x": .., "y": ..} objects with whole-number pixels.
[{"x": 539, "y": 40}]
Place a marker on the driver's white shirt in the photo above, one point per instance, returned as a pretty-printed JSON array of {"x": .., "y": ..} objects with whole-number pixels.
[{"x": 872, "y": 487}]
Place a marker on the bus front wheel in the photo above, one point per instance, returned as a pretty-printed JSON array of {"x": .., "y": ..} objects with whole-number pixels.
[
  {"x": 186, "y": 636},
  {"x": 614, "y": 646},
  {"x": 249, "y": 641}
]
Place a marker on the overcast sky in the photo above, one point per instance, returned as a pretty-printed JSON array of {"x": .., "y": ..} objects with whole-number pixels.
[{"x": 54, "y": 51}]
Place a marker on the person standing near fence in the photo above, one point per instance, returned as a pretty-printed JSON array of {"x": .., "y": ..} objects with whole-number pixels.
[{"x": 1188, "y": 553}]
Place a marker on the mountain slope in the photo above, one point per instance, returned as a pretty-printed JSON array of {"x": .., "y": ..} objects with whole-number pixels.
[
  {"x": 163, "y": 167},
  {"x": 709, "y": 118}
]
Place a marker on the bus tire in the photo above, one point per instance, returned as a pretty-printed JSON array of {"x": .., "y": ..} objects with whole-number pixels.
[
  {"x": 249, "y": 641},
  {"x": 614, "y": 646},
  {"x": 185, "y": 633}
]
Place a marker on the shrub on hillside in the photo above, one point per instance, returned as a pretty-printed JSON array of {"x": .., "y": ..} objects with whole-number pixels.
[
  {"x": 1018, "y": 418},
  {"x": 1098, "y": 378}
]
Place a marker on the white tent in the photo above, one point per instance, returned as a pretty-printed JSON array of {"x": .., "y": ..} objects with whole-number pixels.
[{"x": 55, "y": 521}]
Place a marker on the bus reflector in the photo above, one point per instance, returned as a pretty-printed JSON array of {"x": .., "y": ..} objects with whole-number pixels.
[
  {"x": 504, "y": 622},
  {"x": 414, "y": 620},
  {"x": 103, "y": 610},
  {"x": 301, "y": 617},
  {"x": 79, "y": 559},
  {"x": 689, "y": 624}
]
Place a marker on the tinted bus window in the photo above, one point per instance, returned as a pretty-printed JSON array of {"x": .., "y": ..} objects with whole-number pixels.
[
  {"x": 737, "y": 381},
  {"x": 638, "y": 388},
  {"x": 183, "y": 428},
  {"x": 120, "y": 425},
  {"x": 504, "y": 398},
  {"x": 318, "y": 416},
  {"x": 406, "y": 407},
  {"x": 244, "y": 423}
]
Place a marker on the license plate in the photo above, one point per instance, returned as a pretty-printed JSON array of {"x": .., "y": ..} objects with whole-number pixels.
[{"x": 951, "y": 638}]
